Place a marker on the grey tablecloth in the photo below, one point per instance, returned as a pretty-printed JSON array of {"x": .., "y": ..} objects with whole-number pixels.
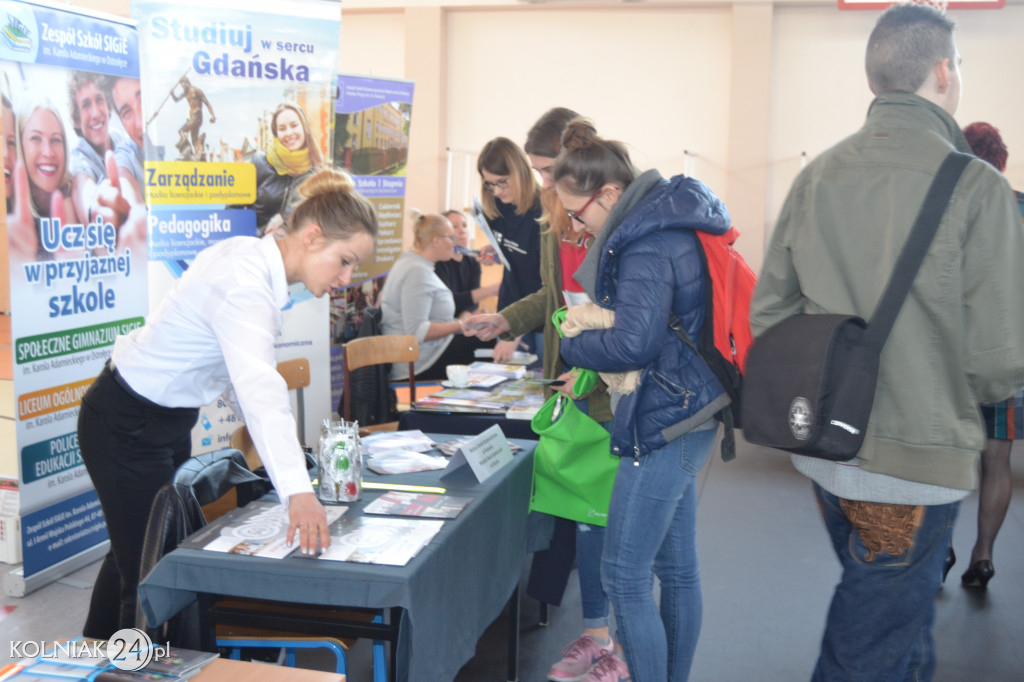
[{"x": 451, "y": 591}]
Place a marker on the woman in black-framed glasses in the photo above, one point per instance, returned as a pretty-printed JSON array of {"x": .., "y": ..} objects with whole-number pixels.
[{"x": 511, "y": 200}]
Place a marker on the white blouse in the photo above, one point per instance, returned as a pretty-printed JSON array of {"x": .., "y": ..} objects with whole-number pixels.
[{"x": 214, "y": 331}]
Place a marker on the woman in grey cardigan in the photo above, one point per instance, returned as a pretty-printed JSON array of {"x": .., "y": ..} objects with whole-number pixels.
[{"x": 415, "y": 301}]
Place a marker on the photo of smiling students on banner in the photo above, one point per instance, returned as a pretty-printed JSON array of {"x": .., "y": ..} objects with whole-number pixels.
[{"x": 77, "y": 271}]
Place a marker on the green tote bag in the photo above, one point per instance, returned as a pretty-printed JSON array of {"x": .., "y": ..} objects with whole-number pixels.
[{"x": 573, "y": 468}]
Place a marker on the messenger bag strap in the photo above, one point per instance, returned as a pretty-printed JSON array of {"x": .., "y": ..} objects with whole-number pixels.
[{"x": 936, "y": 201}]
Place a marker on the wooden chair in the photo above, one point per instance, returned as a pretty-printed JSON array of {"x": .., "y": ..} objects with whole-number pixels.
[
  {"x": 378, "y": 350},
  {"x": 296, "y": 377}
]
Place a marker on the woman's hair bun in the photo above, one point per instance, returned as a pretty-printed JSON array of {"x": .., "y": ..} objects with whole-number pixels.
[
  {"x": 579, "y": 134},
  {"x": 327, "y": 181}
]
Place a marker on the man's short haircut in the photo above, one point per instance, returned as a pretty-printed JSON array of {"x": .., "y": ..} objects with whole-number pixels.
[
  {"x": 76, "y": 81},
  {"x": 907, "y": 42}
]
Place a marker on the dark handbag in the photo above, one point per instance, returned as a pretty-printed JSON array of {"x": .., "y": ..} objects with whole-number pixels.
[{"x": 810, "y": 379}]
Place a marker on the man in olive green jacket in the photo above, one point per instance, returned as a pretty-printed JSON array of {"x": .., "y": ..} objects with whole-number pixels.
[{"x": 958, "y": 339}]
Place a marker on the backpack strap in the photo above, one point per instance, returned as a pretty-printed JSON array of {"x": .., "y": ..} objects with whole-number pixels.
[{"x": 726, "y": 415}]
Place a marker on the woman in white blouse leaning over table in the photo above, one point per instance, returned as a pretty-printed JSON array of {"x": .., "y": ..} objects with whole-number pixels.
[
  {"x": 213, "y": 334},
  {"x": 415, "y": 301}
]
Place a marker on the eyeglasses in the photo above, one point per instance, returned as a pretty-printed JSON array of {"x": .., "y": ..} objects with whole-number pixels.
[
  {"x": 575, "y": 215},
  {"x": 500, "y": 184}
]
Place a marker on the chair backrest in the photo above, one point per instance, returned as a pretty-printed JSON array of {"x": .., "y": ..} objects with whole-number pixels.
[
  {"x": 378, "y": 350},
  {"x": 177, "y": 512},
  {"x": 296, "y": 377}
]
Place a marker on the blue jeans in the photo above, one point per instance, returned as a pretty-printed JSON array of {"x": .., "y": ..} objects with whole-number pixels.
[
  {"x": 589, "y": 548},
  {"x": 652, "y": 530},
  {"x": 879, "y": 624}
]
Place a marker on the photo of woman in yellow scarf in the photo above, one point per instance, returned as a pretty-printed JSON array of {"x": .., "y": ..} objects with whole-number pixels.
[{"x": 291, "y": 157}]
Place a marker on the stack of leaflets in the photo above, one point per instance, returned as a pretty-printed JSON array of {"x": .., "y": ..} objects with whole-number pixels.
[
  {"x": 257, "y": 529},
  {"x": 519, "y": 357},
  {"x": 44, "y": 670},
  {"x": 401, "y": 461},
  {"x": 379, "y": 539},
  {"x": 429, "y": 505},
  {"x": 525, "y": 393},
  {"x": 382, "y": 441},
  {"x": 479, "y": 380},
  {"x": 460, "y": 400},
  {"x": 507, "y": 371},
  {"x": 523, "y": 397},
  {"x": 527, "y": 412},
  {"x": 173, "y": 663}
]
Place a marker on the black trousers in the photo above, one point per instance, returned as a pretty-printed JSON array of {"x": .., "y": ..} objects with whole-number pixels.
[{"x": 130, "y": 447}]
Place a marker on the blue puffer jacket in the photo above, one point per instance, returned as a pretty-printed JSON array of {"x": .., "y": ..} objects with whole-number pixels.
[{"x": 646, "y": 265}]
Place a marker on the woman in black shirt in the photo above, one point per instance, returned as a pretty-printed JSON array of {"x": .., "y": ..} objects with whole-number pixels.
[
  {"x": 461, "y": 274},
  {"x": 511, "y": 200}
]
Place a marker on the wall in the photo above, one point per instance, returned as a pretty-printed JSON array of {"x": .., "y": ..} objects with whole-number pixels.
[
  {"x": 820, "y": 93},
  {"x": 744, "y": 86},
  {"x": 747, "y": 87}
]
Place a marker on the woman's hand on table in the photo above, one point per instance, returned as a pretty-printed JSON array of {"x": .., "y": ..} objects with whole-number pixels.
[
  {"x": 307, "y": 519},
  {"x": 486, "y": 326}
]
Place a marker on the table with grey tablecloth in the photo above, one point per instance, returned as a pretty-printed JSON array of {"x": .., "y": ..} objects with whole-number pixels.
[{"x": 450, "y": 592}]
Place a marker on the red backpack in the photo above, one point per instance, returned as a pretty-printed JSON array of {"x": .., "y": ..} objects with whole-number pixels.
[
  {"x": 725, "y": 337},
  {"x": 732, "y": 284}
]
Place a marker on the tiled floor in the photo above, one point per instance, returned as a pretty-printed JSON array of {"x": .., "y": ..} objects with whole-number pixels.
[{"x": 768, "y": 575}]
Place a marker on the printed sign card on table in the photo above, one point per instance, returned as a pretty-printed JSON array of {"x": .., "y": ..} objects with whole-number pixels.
[{"x": 486, "y": 454}]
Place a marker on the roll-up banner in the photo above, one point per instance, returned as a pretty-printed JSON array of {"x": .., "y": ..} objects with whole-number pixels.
[
  {"x": 76, "y": 230},
  {"x": 371, "y": 142},
  {"x": 227, "y": 89}
]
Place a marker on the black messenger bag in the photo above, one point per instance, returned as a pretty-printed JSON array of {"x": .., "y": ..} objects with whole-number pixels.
[{"x": 810, "y": 379}]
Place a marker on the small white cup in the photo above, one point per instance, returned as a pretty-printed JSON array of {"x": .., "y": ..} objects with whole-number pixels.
[{"x": 458, "y": 375}]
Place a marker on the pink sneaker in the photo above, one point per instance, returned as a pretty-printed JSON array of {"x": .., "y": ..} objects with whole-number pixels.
[
  {"x": 577, "y": 659},
  {"x": 609, "y": 668}
]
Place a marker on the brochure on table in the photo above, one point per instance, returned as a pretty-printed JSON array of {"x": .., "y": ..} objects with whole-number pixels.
[
  {"x": 428, "y": 505},
  {"x": 257, "y": 529},
  {"x": 486, "y": 454},
  {"x": 379, "y": 539}
]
